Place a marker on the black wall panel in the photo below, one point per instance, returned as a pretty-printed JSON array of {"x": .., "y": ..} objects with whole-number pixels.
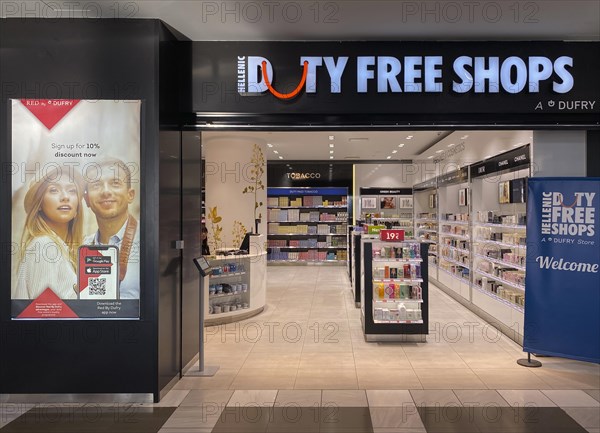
[{"x": 87, "y": 59}]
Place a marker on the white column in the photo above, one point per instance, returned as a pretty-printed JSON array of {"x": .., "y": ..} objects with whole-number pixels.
[
  {"x": 558, "y": 153},
  {"x": 229, "y": 171}
]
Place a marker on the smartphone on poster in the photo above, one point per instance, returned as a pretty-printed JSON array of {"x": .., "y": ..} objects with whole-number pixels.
[{"x": 98, "y": 272}]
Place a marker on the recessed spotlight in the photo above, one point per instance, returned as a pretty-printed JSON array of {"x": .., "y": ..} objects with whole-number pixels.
[
  {"x": 281, "y": 157},
  {"x": 331, "y": 157},
  {"x": 331, "y": 137},
  {"x": 331, "y": 151},
  {"x": 487, "y": 156},
  {"x": 464, "y": 136},
  {"x": 409, "y": 137},
  {"x": 516, "y": 145},
  {"x": 275, "y": 151},
  {"x": 451, "y": 144},
  {"x": 331, "y": 165},
  {"x": 430, "y": 157},
  {"x": 389, "y": 157},
  {"x": 331, "y": 145},
  {"x": 502, "y": 150},
  {"x": 394, "y": 151},
  {"x": 269, "y": 144},
  {"x": 401, "y": 145},
  {"x": 439, "y": 151}
]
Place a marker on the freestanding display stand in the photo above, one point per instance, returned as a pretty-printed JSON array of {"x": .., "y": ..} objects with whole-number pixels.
[{"x": 206, "y": 371}]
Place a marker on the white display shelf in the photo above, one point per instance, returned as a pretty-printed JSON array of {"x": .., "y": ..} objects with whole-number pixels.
[
  {"x": 456, "y": 223},
  {"x": 462, "y": 280},
  {"x": 227, "y": 274},
  {"x": 502, "y": 280},
  {"x": 307, "y": 261},
  {"x": 503, "y": 226},
  {"x": 308, "y": 222},
  {"x": 391, "y": 219},
  {"x": 408, "y": 322},
  {"x": 449, "y": 260},
  {"x": 427, "y": 220},
  {"x": 306, "y": 234},
  {"x": 429, "y": 241},
  {"x": 452, "y": 235},
  {"x": 307, "y": 207},
  {"x": 502, "y": 244},
  {"x": 460, "y": 250},
  {"x": 498, "y": 298},
  {"x": 225, "y": 295},
  {"x": 398, "y": 260},
  {"x": 342, "y": 247},
  {"x": 500, "y": 262},
  {"x": 228, "y": 313},
  {"x": 432, "y": 253},
  {"x": 398, "y": 301},
  {"x": 398, "y": 280},
  {"x": 426, "y": 230}
]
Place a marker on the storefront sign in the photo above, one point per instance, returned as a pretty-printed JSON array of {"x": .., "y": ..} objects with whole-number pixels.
[
  {"x": 457, "y": 176},
  {"x": 385, "y": 191},
  {"x": 505, "y": 161},
  {"x": 425, "y": 78},
  {"x": 76, "y": 210},
  {"x": 563, "y": 268}
]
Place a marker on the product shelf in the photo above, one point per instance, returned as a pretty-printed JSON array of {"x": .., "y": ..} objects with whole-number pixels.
[
  {"x": 307, "y": 207},
  {"x": 502, "y": 244},
  {"x": 460, "y": 250},
  {"x": 500, "y": 262},
  {"x": 502, "y": 226},
  {"x": 396, "y": 260},
  {"x": 498, "y": 298},
  {"x": 502, "y": 280},
  {"x": 454, "y": 262},
  {"x": 406, "y": 322},
  {"x": 462, "y": 280},
  {"x": 452, "y": 235},
  {"x": 398, "y": 280},
  {"x": 227, "y": 274},
  {"x": 397, "y": 301},
  {"x": 456, "y": 223}
]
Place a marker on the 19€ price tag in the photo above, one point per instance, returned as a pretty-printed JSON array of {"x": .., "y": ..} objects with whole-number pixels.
[{"x": 391, "y": 235}]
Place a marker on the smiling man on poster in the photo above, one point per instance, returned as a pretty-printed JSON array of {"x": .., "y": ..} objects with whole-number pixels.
[{"x": 109, "y": 196}]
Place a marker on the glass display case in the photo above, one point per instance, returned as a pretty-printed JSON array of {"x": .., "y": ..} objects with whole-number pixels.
[{"x": 394, "y": 291}]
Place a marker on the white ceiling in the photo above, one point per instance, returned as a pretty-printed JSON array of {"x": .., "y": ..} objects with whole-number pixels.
[
  {"x": 342, "y": 20},
  {"x": 460, "y": 147}
]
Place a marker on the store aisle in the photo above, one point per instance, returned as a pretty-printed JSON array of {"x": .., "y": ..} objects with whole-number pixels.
[{"x": 303, "y": 366}]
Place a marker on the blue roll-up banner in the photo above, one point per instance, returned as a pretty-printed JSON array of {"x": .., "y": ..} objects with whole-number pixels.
[{"x": 562, "y": 299}]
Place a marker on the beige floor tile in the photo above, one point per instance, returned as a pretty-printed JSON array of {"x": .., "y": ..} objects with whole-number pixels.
[
  {"x": 435, "y": 398},
  {"x": 387, "y": 378},
  {"x": 585, "y": 416},
  {"x": 221, "y": 380},
  {"x": 567, "y": 380},
  {"x": 571, "y": 398},
  {"x": 480, "y": 398},
  {"x": 298, "y": 397},
  {"x": 525, "y": 398},
  {"x": 443, "y": 360},
  {"x": 485, "y": 360},
  {"x": 450, "y": 378},
  {"x": 266, "y": 360},
  {"x": 389, "y": 397},
  {"x": 262, "y": 398},
  {"x": 326, "y": 379},
  {"x": 403, "y": 419},
  {"x": 201, "y": 397},
  {"x": 594, "y": 393},
  {"x": 260, "y": 378},
  {"x": 344, "y": 398},
  {"x": 318, "y": 359},
  {"x": 190, "y": 418},
  {"x": 495, "y": 378}
]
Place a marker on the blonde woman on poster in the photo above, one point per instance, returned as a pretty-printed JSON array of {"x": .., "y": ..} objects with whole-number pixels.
[{"x": 51, "y": 236}]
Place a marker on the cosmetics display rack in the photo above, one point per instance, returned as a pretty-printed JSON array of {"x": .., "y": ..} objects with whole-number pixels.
[
  {"x": 394, "y": 290},
  {"x": 307, "y": 225}
]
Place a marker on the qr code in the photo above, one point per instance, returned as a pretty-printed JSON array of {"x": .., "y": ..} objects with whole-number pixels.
[{"x": 97, "y": 286}]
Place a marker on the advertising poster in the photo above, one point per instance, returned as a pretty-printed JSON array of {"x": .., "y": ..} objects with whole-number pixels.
[
  {"x": 562, "y": 300},
  {"x": 75, "y": 250}
]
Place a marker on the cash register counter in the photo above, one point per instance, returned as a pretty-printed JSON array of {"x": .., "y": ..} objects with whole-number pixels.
[{"x": 236, "y": 289}]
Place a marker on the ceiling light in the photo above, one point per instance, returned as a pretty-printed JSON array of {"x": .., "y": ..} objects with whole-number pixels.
[
  {"x": 394, "y": 151},
  {"x": 281, "y": 157},
  {"x": 439, "y": 151},
  {"x": 401, "y": 145},
  {"x": 502, "y": 150},
  {"x": 451, "y": 144},
  {"x": 464, "y": 136},
  {"x": 275, "y": 151},
  {"x": 331, "y": 145},
  {"x": 429, "y": 157},
  {"x": 516, "y": 145},
  {"x": 487, "y": 156},
  {"x": 331, "y": 151},
  {"x": 409, "y": 137},
  {"x": 331, "y": 157},
  {"x": 331, "y": 137},
  {"x": 389, "y": 157},
  {"x": 269, "y": 144}
]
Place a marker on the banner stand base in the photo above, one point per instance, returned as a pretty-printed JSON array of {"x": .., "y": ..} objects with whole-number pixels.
[
  {"x": 532, "y": 363},
  {"x": 208, "y": 371}
]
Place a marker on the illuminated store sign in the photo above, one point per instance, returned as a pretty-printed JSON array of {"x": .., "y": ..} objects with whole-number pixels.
[{"x": 415, "y": 74}]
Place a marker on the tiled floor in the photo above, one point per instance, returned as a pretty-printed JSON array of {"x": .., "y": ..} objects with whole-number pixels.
[{"x": 303, "y": 366}]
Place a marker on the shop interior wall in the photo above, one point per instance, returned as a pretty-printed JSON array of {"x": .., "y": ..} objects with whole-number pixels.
[{"x": 82, "y": 59}]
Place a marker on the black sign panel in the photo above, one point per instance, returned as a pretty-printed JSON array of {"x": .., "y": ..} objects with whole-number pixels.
[
  {"x": 457, "y": 176},
  {"x": 429, "y": 80},
  {"x": 297, "y": 174},
  {"x": 382, "y": 191},
  {"x": 505, "y": 161},
  {"x": 428, "y": 184}
]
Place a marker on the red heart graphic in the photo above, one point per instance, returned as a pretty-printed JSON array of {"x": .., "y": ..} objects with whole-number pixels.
[{"x": 49, "y": 111}]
